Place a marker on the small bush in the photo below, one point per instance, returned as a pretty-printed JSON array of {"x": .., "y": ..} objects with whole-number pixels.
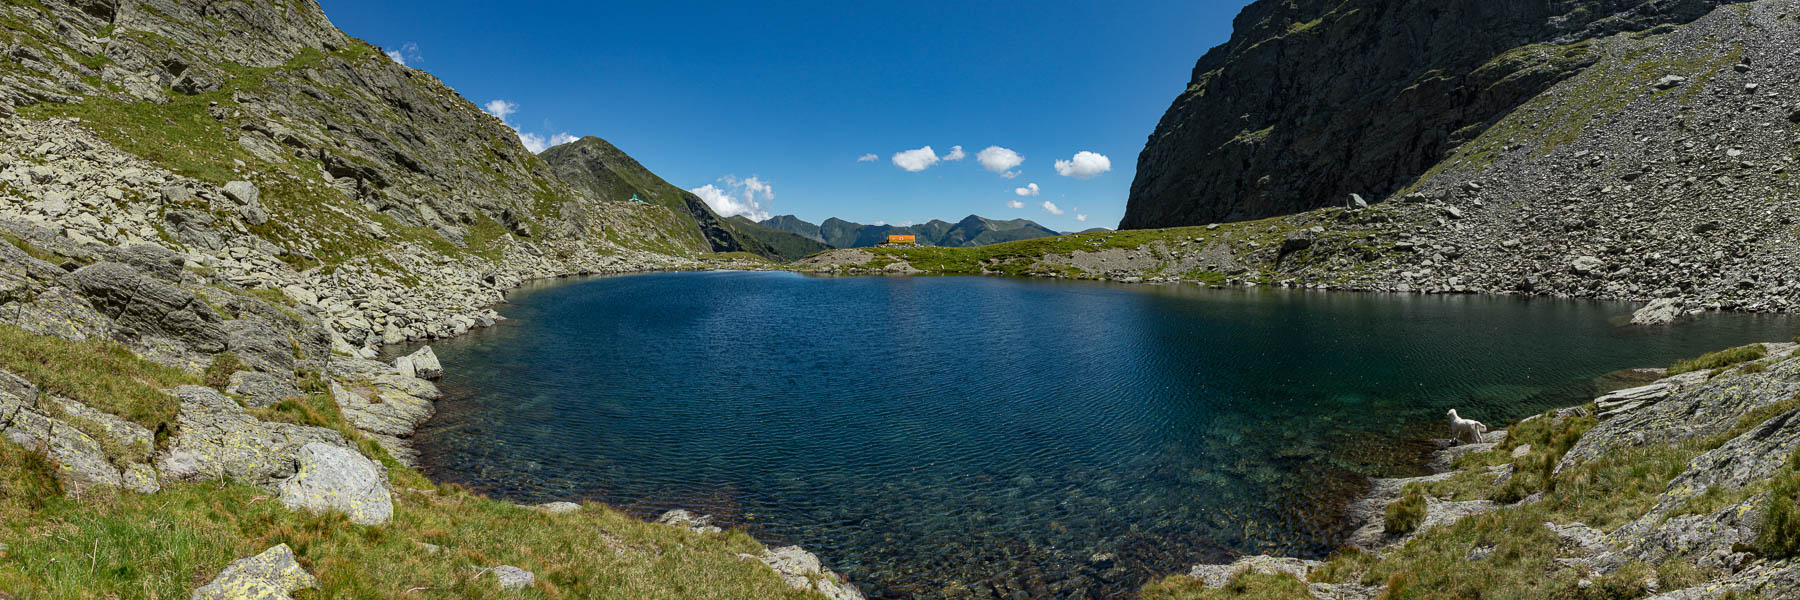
[
  {"x": 1722, "y": 358},
  {"x": 218, "y": 374},
  {"x": 1406, "y": 514}
]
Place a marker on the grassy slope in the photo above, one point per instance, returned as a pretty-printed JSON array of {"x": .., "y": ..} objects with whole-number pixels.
[
  {"x": 125, "y": 545},
  {"x": 787, "y": 246}
]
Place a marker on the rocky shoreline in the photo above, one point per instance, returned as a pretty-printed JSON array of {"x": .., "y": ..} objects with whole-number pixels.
[{"x": 1740, "y": 419}]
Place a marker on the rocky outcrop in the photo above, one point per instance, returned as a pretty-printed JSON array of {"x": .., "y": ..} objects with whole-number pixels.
[
  {"x": 1314, "y": 100},
  {"x": 218, "y": 439},
  {"x": 272, "y": 575}
]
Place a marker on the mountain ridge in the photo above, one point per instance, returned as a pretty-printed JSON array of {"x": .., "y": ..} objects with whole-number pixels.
[{"x": 973, "y": 230}]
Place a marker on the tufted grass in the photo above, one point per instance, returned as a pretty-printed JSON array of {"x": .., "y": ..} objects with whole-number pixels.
[
  {"x": 103, "y": 375},
  {"x": 1404, "y": 516}
]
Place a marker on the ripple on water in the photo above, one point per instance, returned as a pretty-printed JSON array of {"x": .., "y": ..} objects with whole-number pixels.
[{"x": 950, "y": 437}]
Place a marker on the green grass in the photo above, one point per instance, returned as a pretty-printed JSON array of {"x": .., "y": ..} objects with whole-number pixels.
[
  {"x": 1720, "y": 359},
  {"x": 1778, "y": 536},
  {"x": 1404, "y": 516},
  {"x": 218, "y": 372},
  {"x": 103, "y": 375}
]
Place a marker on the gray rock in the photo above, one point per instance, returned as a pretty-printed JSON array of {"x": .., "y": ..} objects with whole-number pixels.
[
  {"x": 216, "y": 439},
  {"x": 802, "y": 571},
  {"x": 335, "y": 478},
  {"x": 1297, "y": 240},
  {"x": 1660, "y": 311},
  {"x": 149, "y": 307},
  {"x": 513, "y": 578},
  {"x": 557, "y": 508},
  {"x": 381, "y": 410},
  {"x": 687, "y": 519},
  {"x": 1670, "y": 82},
  {"x": 262, "y": 390},
  {"x": 151, "y": 259},
  {"x": 272, "y": 575},
  {"x": 194, "y": 229},
  {"x": 243, "y": 192},
  {"x": 425, "y": 364}
]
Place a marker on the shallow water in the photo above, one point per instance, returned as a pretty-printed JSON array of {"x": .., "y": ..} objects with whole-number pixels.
[{"x": 973, "y": 437}]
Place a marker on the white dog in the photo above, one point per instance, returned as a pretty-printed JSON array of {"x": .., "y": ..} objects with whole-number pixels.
[{"x": 1465, "y": 431}]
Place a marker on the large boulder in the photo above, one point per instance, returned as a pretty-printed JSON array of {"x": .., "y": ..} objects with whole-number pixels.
[
  {"x": 150, "y": 259},
  {"x": 272, "y": 575},
  {"x": 150, "y": 308},
  {"x": 425, "y": 364},
  {"x": 335, "y": 478},
  {"x": 1658, "y": 312},
  {"x": 387, "y": 412}
]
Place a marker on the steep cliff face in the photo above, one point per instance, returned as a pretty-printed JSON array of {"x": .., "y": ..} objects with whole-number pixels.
[{"x": 1313, "y": 100}]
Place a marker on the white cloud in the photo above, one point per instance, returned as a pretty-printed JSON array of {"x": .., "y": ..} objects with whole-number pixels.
[
  {"x": 534, "y": 142},
  {"x": 407, "y": 51},
  {"x": 870, "y": 157},
  {"x": 956, "y": 153},
  {"x": 1050, "y": 207},
  {"x": 1082, "y": 218},
  {"x": 1000, "y": 160},
  {"x": 1015, "y": 204},
  {"x": 501, "y": 108},
  {"x": 916, "y": 160},
  {"x": 1085, "y": 165},
  {"x": 738, "y": 197},
  {"x": 1028, "y": 190},
  {"x": 880, "y": 223}
]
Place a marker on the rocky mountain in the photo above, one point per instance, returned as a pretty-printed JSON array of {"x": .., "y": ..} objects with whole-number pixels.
[
  {"x": 596, "y": 166},
  {"x": 971, "y": 231},
  {"x": 1661, "y": 170},
  {"x": 1313, "y": 100}
]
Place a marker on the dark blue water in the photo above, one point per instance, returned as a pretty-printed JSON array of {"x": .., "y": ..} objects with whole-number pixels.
[{"x": 974, "y": 437}]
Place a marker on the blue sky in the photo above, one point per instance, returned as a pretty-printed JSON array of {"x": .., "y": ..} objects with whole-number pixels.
[{"x": 773, "y": 104}]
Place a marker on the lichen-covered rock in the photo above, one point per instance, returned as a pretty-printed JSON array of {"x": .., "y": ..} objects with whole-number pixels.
[
  {"x": 377, "y": 411},
  {"x": 334, "y": 478},
  {"x": 150, "y": 259},
  {"x": 216, "y": 439},
  {"x": 262, "y": 390},
  {"x": 509, "y": 577},
  {"x": 558, "y": 508},
  {"x": 1218, "y": 575},
  {"x": 425, "y": 364},
  {"x": 802, "y": 570},
  {"x": 272, "y": 575}
]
